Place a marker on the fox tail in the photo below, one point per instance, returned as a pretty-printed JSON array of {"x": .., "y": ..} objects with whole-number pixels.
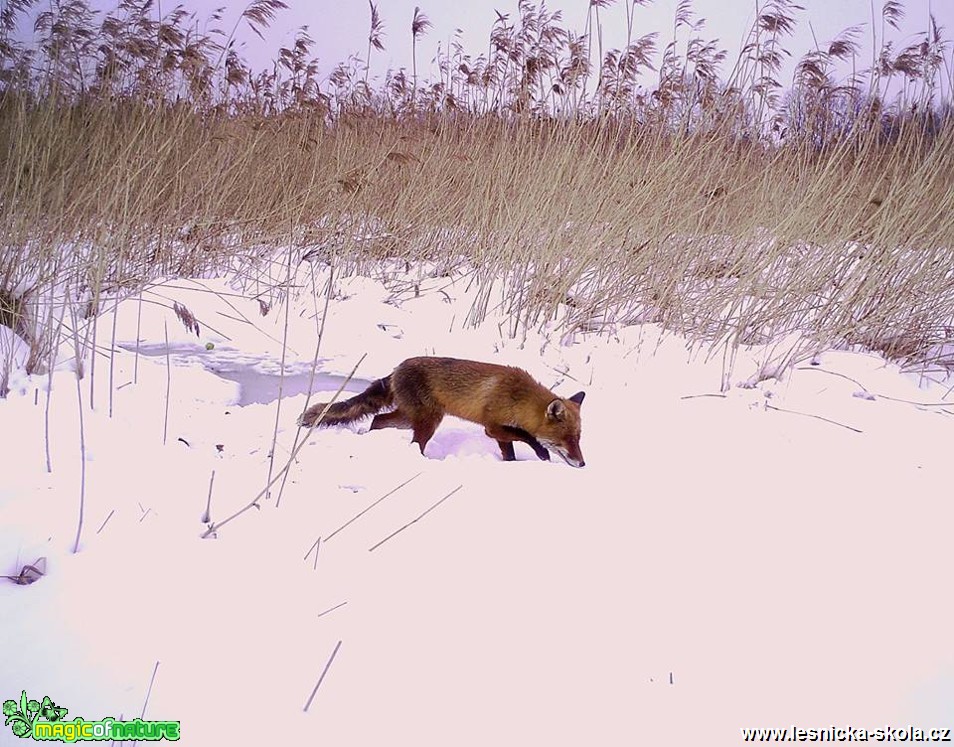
[{"x": 371, "y": 401}]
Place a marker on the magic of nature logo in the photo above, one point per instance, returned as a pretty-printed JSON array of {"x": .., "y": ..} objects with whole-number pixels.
[{"x": 45, "y": 721}]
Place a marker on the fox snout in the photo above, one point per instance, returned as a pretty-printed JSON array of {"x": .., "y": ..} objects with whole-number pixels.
[
  {"x": 569, "y": 452},
  {"x": 574, "y": 457}
]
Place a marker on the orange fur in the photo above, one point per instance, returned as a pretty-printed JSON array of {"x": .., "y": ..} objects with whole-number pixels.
[{"x": 507, "y": 401}]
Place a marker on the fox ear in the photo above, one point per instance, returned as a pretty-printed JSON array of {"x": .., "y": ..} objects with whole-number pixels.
[
  {"x": 556, "y": 410},
  {"x": 578, "y": 398}
]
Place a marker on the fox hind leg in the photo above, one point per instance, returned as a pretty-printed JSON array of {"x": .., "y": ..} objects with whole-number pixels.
[
  {"x": 424, "y": 427},
  {"x": 395, "y": 419}
]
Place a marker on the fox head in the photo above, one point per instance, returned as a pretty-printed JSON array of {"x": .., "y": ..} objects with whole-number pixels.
[{"x": 561, "y": 429}]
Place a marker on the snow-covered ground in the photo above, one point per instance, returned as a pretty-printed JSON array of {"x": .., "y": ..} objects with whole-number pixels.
[{"x": 772, "y": 556}]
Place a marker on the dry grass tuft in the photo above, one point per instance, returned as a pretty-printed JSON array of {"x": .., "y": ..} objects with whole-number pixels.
[{"x": 601, "y": 186}]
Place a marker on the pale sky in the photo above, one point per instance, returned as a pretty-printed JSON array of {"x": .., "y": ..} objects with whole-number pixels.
[{"x": 341, "y": 28}]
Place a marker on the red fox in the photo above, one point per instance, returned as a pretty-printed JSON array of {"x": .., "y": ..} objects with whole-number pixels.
[{"x": 505, "y": 400}]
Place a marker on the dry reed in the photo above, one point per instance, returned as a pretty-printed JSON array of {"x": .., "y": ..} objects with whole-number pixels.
[{"x": 632, "y": 187}]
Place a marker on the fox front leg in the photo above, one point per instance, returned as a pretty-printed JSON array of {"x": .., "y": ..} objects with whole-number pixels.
[
  {"x": 505, "y": 435},
  {"x": 538, "y": 448}
]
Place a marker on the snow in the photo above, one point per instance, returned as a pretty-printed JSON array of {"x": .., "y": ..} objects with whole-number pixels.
[{"x": 776, "y": 554}]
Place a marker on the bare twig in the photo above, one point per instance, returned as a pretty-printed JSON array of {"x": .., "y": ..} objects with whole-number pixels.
[
  {"x": 817, "y": 417},
  {"x": 165, "y": 419},
  {"x": 316, "y": 547},
  {"x": 323, "y": 673},
  {"x": 332, "y": 609},
  {"x": 414, "y": 521},
  {"x": 32, "y": 572},
  {"x": 54, "y": 343},
  {"x": 879, "y": 396},
  {"x": 82, "y": 434},
  {"x": 207, "y": 516},
  {"x": 362, "y": 513},
  {"x": 108, "y": 517},
  {"x": 152, "y": 681},
  {"x": 281, "y": 375},
  {"x": 138, "y": 337},
  {"x": 832, "y": 373},
  {"x": 314, "y": 364},
  {"x": 112, "y": 358}
]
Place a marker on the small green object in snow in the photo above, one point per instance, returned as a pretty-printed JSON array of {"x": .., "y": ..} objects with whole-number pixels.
[{"x": 209, "y": 345}]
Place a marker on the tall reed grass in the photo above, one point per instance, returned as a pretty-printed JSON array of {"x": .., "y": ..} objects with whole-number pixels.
[{"x": 658, "y": 182}]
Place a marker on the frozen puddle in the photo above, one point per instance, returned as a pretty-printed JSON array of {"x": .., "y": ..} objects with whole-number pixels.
[{"x": 258, "y": 379}]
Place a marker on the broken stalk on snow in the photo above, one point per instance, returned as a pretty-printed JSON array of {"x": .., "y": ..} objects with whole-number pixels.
[
  {"x": 414, "y": 521},
  {"x": 323, "y": 673},
  {"x": 207, "y": 516},
  {"x": 332, "y": 609},
  {"x": 817, "y": 417},
  {"x": 362, "y": 513}
]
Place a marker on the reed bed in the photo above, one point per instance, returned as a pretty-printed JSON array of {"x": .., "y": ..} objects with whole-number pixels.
[{"x": 658, "y": 182}]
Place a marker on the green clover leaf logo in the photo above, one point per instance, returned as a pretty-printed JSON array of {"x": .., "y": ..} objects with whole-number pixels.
[{"x": 21, "y": 717}]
